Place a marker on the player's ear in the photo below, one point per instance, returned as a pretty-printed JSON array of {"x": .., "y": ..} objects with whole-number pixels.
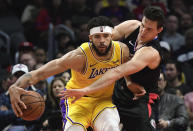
[
  {"x": 90, "y": 38},
  {"x": 160, "y": 29}
]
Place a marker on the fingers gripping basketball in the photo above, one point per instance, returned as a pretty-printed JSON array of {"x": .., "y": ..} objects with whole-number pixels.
[{"x": 35, "y": 105}]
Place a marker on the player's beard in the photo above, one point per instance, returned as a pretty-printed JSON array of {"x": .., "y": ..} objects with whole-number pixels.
[{"x": 101, "y": 53}]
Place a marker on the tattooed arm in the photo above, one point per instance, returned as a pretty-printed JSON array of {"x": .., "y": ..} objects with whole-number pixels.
[{"x": 70, "y": 60}]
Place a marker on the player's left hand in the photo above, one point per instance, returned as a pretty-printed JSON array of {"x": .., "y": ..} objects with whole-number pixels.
[
  {"x": 137, "y": 90},
  {"x": 77, "y": 93},
  {"x": 138, "y": 95}
]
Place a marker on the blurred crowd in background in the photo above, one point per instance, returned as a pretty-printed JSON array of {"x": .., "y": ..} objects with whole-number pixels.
[{"x": 33, "y": 32}]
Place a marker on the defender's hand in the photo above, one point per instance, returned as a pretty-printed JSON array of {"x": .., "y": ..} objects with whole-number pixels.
[
  {"x": 137, "y": 90},
  {"x": 16, "y": 103},
  {"x": 77, "y": 93},
  {"x": 139, "y": 94}
]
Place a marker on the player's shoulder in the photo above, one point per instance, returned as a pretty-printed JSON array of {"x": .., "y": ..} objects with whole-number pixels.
[
  {"x": 130, "y": 23},
  {"x": 149, "y": 51},
  {"x": 77, "y": 53}
]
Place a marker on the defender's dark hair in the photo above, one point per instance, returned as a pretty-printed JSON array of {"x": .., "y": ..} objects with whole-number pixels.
[
  {"x": 155, "y": 14},
  {"x": 99, "y": 21}
]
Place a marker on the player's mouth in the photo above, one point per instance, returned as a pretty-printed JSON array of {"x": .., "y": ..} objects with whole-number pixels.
[{"x": 102, "y": 47}]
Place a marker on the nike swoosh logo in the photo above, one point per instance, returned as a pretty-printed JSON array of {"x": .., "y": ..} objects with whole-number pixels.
[
  {"x": 91, "y": 65},
  {"x": 115, "y": 61},
  {"x": 131, "y": 43}
]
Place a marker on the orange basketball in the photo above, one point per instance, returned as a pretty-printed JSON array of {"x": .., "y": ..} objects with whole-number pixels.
[{"x": 35, "y": 106}]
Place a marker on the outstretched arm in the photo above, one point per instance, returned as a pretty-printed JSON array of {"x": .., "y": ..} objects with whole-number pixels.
[
  {"x": 53, "y": 67},
  {"x": 125, "y": 28},
  {"x": 146, "y": 56},
  {"x": 70, "y": 60}
]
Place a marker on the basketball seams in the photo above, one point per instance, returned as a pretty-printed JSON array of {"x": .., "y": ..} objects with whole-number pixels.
[
  {"x": 34, "y": 102},
  {"x": 30, "y": 113},
  {"x": 36, "y": 105}
]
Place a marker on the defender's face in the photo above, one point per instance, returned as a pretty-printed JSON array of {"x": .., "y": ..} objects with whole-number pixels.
[
  {"x": 101, "y": 42},
  {"x": 148, "y": 30}
]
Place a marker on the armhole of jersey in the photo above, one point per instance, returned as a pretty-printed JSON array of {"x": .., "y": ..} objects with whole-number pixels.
[{"x": 85, "y": 70}]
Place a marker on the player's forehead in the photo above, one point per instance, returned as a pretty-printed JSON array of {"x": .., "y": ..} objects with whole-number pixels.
[
  {"x": 149, "y": 23},
  {"x": 101, "y": 30},
  {"x": 101, "y": 34}
]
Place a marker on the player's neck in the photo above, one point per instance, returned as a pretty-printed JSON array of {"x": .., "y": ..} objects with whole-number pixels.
[{"x": 139, "y": 43}]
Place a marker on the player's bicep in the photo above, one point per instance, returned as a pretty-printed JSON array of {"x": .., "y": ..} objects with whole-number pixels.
[
  {"x": 140, "y": 60},
  {"x": 117, "y": 35},
  {"x": 124, "y": 29},
  {"x": 72, "y": 60}
]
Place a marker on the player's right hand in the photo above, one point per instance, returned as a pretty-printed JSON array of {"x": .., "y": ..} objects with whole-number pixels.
[
  {"x": 77, "y": 93},
  {"x": 16, "y": 103}
]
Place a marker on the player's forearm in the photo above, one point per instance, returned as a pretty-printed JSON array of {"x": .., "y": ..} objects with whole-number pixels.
[
  {"x": 104, "y": 82},
  {"x": 26, "y": 80}
]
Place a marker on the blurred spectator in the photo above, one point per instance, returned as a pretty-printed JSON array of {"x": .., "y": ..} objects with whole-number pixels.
[
  {"x": 23, "y": 48},
  {"x": 114, "y": 9},
  {"x": 69, "y": 48},
  {"x": 29, "y": 17},
  {"x": 138, "y": 11},
  {"x": 185, "y": 57},
  {"x": 172, "y": 111},
  {"x": 189, "y": 104},
  {"x": 78, "y": 10},
  {"x": 173, "y": 73},
  {"x": 26, "y": 46},
  {"x": 177, "y": 7},
  {"x": 66, "y": 76},
  {"x": 7, "y": 116},
  {"x": 167, "y": 49},
  {"x": 115, "y": 20},
  {"x": 191, "y": 10},
  {"x": 40, "y": 54},
  {"x": 171, "y": 34},
  {"x": 50, "y": 14},
  {"x": 10, "y": 24},
  {"x": 31, "y": 10},
  {"x": 63, "y": 40},
  {"x": 82, "y": 32},
  {"x": 185, "y": 23},
  {"x": 185, "y": 53},
  {"x": 29, "y": 59},
  {"x": 53, "y": 113},
  {"x": 5, "y": 81}
]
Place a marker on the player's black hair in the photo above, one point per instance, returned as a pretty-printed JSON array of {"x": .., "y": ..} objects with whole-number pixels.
[
  {"x": 155, "y": 14},
  {"x": 99, "y": 21}
]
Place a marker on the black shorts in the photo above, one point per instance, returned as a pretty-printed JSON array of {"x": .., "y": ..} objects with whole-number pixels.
[{"x": 139, "y": 116}]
